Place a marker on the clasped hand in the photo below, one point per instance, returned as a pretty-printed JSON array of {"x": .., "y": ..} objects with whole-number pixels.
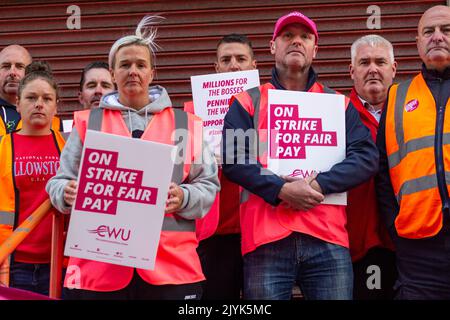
[{"x": 301, "y": 194}]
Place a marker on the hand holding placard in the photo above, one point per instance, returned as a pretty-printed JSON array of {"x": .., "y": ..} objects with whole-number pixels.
[{"x": 70, "y": 192}]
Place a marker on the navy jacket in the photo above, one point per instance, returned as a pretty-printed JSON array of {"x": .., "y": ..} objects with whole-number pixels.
[
  {"x": 9, "y": 116},
  {"x": 439, "y": 85},
  {"x": 360, "y": 164}
]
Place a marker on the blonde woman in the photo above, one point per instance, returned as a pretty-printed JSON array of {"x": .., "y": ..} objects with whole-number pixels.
[{"x": 138, "y": 110}]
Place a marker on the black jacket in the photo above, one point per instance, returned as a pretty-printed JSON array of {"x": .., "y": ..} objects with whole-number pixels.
[
  {"x": 439, "y": 85},
  {"x": 9, "y": 116}
]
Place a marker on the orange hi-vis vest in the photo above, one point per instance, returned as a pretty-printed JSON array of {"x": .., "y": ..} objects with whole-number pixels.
[
  {"x": 177, "y": 261},
  {"x": 8, "y": 214},
  {"x": 56, "y": 125},
  {"x": 410, "y": 139},
  {"x": 263, "y": 223}
]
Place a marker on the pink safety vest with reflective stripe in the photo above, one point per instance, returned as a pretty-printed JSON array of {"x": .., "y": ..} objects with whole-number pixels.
[
  {"x": 177, "y": 261},
  {"x": 263, "y": 223},
  {"x": 206, "y": 226}
]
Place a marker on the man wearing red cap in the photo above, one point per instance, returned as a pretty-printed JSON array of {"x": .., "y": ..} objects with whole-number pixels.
[{"x": 288, "y": 236}]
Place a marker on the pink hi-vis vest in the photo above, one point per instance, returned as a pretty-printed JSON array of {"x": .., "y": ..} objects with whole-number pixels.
[
  {"x": 206, "y": 226},
  {"x": 223, "y": 217},
  {"x": 263, "y": 223},
  {"x": 177, "y": 261}
]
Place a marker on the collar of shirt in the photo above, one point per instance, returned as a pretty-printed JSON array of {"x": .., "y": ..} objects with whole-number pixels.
[
  {"x": 6, "y": 104},
  {"x": 375, "y": 113},
  {"x": 429, "y": 74},
  {"x": 275, "y": 80}
]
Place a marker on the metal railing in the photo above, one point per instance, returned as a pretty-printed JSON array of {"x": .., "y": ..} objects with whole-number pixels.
[{"x": 22, "y": 231}]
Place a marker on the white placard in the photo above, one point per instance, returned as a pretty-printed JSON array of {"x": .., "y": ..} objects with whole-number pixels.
[
  {"x": 122, "y": 189},
  {"x": 212, "y": 93},
  {"x": 306, "y": 133},
  {"x": 67, "y": 125}
]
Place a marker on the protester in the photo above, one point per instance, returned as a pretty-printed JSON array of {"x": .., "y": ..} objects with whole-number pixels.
[
  {"x": 234, "y": 53},
  {"x": 372, "y": 70},
  {"x": 13, "y": 60},
  {"x": 95, "y": 82},
  {"x": 281, "y": 245},
  {"x": 219, "y": 231},
  {"x": 412, "y": 185},
  {"x": 29, "y": 157},
  {"x": 139, "y": 111}
]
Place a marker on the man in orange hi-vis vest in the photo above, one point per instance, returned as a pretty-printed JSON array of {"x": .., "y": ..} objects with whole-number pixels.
[
  {"x": 412, "y": 184},
  {"x": 288, "y": 236}
]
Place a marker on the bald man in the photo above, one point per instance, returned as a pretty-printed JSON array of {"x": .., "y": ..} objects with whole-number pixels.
[
  {"x": 13, "y": 60},
  {"x": 412, "y": 185}
]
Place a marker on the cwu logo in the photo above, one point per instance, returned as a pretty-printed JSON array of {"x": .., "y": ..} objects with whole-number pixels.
[
  {"x": 111, "y": 233},
  {"x": 302, "y": 173}
]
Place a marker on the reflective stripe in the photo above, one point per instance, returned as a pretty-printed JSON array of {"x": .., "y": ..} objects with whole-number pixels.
[
  {"x": 7, "y": 218},
  {"x": 414, "y": 145},
  {"x": 171, "y": 223},
  {"x": 419, "y": 184},
  {"x": 245, "y": 194},
  {"x": 95, "y": 119},
  {"x": 255, "y": 95},
  {"x": 65, "y": 135},
  {"x": 181, "y": 122},
  {"x": 400, "y": 98},
  {"x": 263, "y": 147}
]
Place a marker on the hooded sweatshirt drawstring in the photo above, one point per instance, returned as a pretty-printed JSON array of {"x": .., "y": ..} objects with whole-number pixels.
[
  {"x": 138, "y": 119},
  {"x": 129, "y": 120},
  {"x": 146, "y": 119}
]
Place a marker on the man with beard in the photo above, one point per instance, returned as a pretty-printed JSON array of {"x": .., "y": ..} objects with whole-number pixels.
[
  {"x": 372, "y": 70},
  {"x": 412, "y": 184},
  {"x": 13, "y": 60},
  {"x": 95, "y": 82}
]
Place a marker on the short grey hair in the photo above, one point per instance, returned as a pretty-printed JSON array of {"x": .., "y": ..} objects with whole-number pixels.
[
  {"x": 372, "y": 40},
  {"x": 145, "y": 35}
]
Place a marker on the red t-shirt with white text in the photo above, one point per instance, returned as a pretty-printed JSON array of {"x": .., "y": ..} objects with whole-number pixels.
[{"x": 36, "y": 160}]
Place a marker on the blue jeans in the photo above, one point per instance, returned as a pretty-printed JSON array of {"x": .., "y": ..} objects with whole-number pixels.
[
  {"x": 31, "y": 277},
  {"x": 322, "y": 270}
]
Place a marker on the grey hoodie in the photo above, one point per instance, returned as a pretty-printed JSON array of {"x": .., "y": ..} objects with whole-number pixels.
[{"x": 202, "y": 183}]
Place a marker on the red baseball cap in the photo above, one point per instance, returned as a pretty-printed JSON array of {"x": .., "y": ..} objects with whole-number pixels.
[{"x": 295, "y": 17}]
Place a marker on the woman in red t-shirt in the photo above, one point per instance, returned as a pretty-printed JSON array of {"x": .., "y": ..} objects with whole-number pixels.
[{"x": 34, "y": 158}]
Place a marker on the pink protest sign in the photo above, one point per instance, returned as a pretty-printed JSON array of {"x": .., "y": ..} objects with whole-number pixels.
[
  {"x": 291, "y": 134},
  {"x": 306, "y": 134},
  {"x": 119, "y": 210},
  {"x": 102, "y": 183}
]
